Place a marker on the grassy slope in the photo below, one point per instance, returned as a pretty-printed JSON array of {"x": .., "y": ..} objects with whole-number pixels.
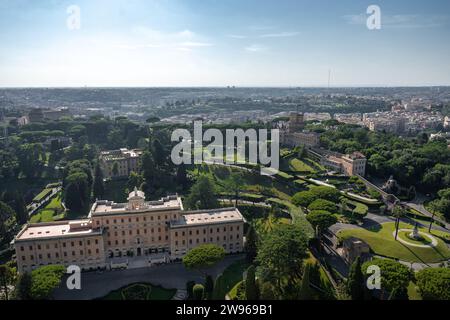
[{"x": 382, "y": 242}]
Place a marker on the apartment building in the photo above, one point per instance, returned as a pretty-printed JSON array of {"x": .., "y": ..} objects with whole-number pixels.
[
  {"x": 293, "y": 135},
  {"x": 160, "y": 230},
  {"x": 119, "y": 163},
  {"x": 349, "y": 164}
]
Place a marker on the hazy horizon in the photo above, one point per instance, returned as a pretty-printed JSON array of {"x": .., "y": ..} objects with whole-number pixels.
[{"x": 187, "y": 43}]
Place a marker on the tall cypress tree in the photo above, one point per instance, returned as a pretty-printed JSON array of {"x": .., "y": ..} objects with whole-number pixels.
[
  {"x": 305, "y": 289},
  {"x": 99, "y": 186},
  {"x": 355, "y": 282},
  {"x": 251, "y": 289},
  {"x": 251, "y": 240},
  {"x": 209, "y": 287}
]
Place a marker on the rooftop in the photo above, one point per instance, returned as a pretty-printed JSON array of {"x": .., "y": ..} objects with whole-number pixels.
[
  {"x": 105, "y": 207},
  {"x": 208, "y": 217},
  {"x": 120, "y": 154},
  {"x": 56, "y": 229}
]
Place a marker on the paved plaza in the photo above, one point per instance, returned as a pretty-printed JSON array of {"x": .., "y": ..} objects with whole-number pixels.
[{"x": 171, "y": 276}]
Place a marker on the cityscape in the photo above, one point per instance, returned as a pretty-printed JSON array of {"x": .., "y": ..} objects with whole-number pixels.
[{"x": 297, "y": 186}]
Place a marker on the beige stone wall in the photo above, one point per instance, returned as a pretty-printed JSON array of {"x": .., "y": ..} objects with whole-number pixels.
[
  {"x": 85, "y": 252},
  {"x": 227, "y": 235},
  {"x": 131, "y": 232}
]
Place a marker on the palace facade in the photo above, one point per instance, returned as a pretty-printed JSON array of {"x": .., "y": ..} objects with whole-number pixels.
[{"x": 153, "y": 230}]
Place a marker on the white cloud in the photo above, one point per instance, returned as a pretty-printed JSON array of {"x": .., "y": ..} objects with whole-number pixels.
[
  {"x": 147, "y": 38},
  {"x": 402, "y": 20},
  {"x": 236, "y": 36},
  {"x": 255, "y": 48},
  {"x": 280, "y": 34}
]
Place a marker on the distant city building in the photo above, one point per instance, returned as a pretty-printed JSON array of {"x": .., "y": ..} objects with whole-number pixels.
[
  {"x": 56, "y": 114},
  {"x": 402, "y": 121},
  {"x": 119, "y": 163},
  {"x": 160, "y": 230},
  {"x": 293, "y": 136},
  {"x": 349, "y": 118},
  {"x": 36, "y": 115},
  {"x": 21, "y": 121},
  {"x": 58, "y": 142},
  {"x": 349, "y": 164}
]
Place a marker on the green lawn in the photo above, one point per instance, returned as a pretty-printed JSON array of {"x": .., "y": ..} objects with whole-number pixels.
[
  {"x": 229, "y": 278},
  {"x": 44, "y": 193},
  {"x": 299, "y": 165},
  {"x": 382, "y": 242},
  {"x": 358, "y": 207},
  {"x": 53, "y": 211},
  {"x": 140, "y": 291},
  {"x": 266, "y": 225}
]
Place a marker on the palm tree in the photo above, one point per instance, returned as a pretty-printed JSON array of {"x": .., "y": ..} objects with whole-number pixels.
[
  {"x": 397, "y": 212},
  {"x": 433, "y": 209}
]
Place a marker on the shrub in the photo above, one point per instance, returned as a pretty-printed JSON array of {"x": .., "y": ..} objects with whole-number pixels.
[
  {"x": 322, "y": 204},
  {"x": 434, "y": 283},
  {"x": 198, "y": 291},
  {"x": 303, "y": 198}
]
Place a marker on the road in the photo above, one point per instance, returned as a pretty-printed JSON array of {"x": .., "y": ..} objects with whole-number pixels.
[{"x": 96, "y": 285}]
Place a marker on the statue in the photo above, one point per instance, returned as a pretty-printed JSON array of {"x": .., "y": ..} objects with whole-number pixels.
[{"x": 415, "y": 234}]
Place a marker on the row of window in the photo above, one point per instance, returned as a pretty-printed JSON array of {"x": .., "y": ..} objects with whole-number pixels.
[
  {"x": 49, "y": 255},
  {"x": 138, "y": 232},
  {"x": 137, "y": 219},
  {"x": 183, "y": 233},
  {"x": 55, "y": 245},
  {"x": 116, "y": 242},
  {"x": 230, "y": 247},
  {"x": 204, "y": 240}
]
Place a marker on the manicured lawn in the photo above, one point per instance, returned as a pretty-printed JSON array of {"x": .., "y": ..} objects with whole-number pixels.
[
  {"x": 358, "y": 207},
  {"x": 51, "y": 212},
  {"x": 44, "y": 193},
  {"x": 382, "y": 242},
  {"x": 265, "y": 225},
  {"x": 404, "y": 235},
  {"x": 140, "y": 291},
  {"x": 299, "y": 165},
  {"x": 55, "y": 203},
  {"x": 229, "y": 278}
]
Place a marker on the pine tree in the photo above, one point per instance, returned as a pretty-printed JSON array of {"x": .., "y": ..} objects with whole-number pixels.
[{"x": 355, "y": 283}]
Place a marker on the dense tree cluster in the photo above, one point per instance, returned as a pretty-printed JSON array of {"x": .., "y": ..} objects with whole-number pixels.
[{"x": 411, "y": 160}]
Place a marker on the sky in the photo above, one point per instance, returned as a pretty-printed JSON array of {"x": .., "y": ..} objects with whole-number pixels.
[{"x": 280, "y": 43}]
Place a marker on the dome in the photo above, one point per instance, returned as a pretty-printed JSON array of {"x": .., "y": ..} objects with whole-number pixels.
[{"x": 135, "y": 194}]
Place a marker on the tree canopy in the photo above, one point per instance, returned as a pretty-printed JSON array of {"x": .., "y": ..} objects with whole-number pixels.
[
  {"x": 44, "y": 280},
  {"x": 203, "y": 256},
  {"x": 281, "y": 254},
  {"x": 394, "y": 275},
  {"x": 434, "y": 283}
]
